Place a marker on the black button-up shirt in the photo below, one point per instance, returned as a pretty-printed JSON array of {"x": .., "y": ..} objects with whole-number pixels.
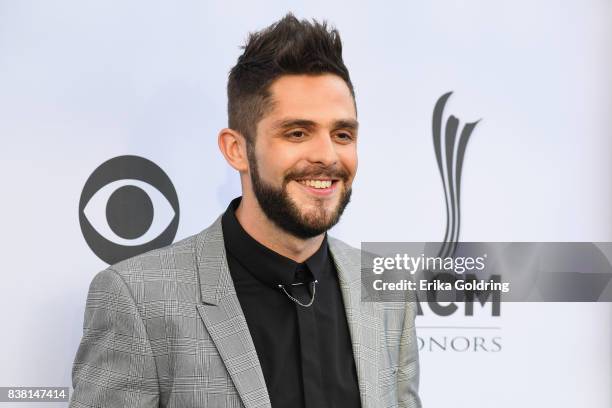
[{"x": 305, "y": 352}]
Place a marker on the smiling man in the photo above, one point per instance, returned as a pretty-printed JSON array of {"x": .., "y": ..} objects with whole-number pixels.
[{"x": 262, "y": 308}]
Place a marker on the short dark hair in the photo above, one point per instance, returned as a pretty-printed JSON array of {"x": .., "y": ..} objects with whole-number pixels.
[{"x": 287, "y": 47}]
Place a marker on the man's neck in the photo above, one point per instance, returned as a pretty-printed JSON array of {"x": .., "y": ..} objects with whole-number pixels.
[{"x": 258, "y": 225}]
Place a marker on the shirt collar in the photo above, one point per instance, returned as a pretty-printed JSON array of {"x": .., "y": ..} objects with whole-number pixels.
[{"x": 263, "y": 263}]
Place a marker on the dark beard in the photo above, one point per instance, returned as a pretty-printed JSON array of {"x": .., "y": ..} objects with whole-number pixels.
[{"x": 282, "y": 211}]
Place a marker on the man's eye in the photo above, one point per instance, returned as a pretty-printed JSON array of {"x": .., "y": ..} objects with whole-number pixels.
[
  {"x": 296, "y": 134},
  {"x": 344, "y": 136}
]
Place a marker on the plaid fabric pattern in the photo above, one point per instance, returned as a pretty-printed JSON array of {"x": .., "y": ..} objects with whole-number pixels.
[{"x": 165, "y": 329}]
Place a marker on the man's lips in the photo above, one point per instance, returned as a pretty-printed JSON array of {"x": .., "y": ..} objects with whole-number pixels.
[{"x": 320, "y": 187}]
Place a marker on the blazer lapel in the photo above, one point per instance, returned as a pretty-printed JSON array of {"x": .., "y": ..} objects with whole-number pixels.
[
  {"x": 362, "y": 320},
  {"x": 223, "y": 317}
]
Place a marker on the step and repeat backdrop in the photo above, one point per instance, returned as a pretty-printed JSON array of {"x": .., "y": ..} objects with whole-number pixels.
[{"x": 106, "y": 103}]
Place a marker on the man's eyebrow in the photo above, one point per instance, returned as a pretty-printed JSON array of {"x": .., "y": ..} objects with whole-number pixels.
[
  {"x": 310, "y": 124},
  {"x": 346, "y": 124},
  {"x": 290, "y": 123}
]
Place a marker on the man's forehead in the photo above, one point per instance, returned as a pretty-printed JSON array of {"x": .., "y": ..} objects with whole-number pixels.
[{"x": 311, "y": 97}]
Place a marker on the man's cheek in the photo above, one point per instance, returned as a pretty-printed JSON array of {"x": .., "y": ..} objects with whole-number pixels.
[{"x": 292, "y": 188}]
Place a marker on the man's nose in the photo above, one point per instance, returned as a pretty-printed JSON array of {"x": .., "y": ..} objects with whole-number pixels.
[{"x": 322, "y": 150}]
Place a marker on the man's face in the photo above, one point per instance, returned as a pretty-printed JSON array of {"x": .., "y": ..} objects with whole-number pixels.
[{"x": 305, "y": 155}]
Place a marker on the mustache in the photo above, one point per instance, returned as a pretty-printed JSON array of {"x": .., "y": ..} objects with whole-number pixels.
[{"x": 334, "y": 172}]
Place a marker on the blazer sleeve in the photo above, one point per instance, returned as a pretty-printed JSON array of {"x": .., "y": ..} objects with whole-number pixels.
[
  {"x": 114, "y": 364},
  {"x": 408, "y": 369}
]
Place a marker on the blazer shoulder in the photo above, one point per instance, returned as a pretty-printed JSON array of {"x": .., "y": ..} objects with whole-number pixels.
[
  {"x": 167, "y": 274},
  {"x": 179, "y": 255},
  {"x": 349, "y": 252},
  {"x": 342, "y": 248}
]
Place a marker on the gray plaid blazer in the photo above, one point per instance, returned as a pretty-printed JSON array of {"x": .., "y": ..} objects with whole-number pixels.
[{"x": 165, "y": 329}]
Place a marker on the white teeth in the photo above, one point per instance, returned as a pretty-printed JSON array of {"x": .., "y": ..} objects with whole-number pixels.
[{"x": 317, "y": 183}]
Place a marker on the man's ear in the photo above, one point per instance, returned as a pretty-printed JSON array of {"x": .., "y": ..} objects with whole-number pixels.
[{"x": 233, "y": 147}]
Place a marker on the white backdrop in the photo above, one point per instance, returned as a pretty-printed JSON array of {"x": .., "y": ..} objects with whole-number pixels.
[{"x": 83, "y": 82}]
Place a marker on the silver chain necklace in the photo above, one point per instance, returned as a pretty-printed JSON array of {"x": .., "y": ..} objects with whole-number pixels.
[{"x": 314, "y": 287}]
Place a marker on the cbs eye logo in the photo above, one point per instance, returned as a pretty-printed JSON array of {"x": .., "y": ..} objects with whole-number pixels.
[{"x": 128, "y": 206}]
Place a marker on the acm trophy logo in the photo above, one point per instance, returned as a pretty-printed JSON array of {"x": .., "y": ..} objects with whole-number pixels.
[
  {"x": 450, "y": 143},
  {"x": 128, "y": 206}
]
